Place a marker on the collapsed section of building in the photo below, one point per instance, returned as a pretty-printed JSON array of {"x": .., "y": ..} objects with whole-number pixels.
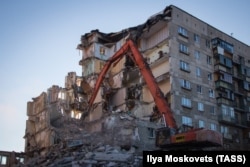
[{"x": 124, "y": 113}]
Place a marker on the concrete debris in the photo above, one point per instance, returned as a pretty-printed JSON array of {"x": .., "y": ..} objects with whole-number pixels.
[{"x": 87, "y": 155}]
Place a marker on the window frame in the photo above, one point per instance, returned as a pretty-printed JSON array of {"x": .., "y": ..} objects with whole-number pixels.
[
  {"x": 183, "y": 31},
  {"x": 184, "y": 66},
  {"x": 185, "y": 84},
  {"x": 200, "y": 106},
  {"x": 183, "y": 48},
  {"x": 186, "y": 102},
  {"x": 185, "y": 120}
]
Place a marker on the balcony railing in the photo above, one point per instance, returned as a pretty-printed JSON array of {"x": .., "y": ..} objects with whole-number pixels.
[
  {"x": 223, "y": 84},
  {"x": 223, "y": 44},
  {"x": 222, "y": 100},
  {"x": 226, "y": 118},
  {"x": 240, "y": 106},
  {"x": 222, "y": 68}
]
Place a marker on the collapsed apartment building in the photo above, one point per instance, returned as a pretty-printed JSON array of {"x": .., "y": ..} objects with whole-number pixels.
[{"x": 203, "y": 73}]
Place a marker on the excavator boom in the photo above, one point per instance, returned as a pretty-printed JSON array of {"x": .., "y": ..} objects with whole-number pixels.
[
  {"x": 146, "y": 73},
  {"x": 166, "y": 137}
]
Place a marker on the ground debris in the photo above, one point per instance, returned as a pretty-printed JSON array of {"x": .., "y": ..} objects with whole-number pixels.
[
  {"x": 78, "y": 147},
  {"x": 105, "y": 156}
]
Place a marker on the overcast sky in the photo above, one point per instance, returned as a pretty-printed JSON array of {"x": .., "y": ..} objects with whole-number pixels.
[{"x": 38, "y": 42}]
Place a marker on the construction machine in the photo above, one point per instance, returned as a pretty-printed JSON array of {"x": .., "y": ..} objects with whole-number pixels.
[{"x": 168, "y": 137}]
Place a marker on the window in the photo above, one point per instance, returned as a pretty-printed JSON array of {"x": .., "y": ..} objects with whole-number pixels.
[
  {"x": 186, "y": 102},
  {"x": 187, "y": 121},
  {"x": 227, "y": 46},
  {"x": 197, "y": 55},
  {"x": 227, "y": 111},
  {"x": 196, "y": 38},
  {"x": 246, "y": 85},
  {"x": 225, "y": 61},
  {"x": 209, "y": 76},
  {"x": 213, "y": 127},
  {"x": 102, "y": 51},
  {"x": 209, "y": 60},
  {"x": 208, "y": 43},
  {"x": 3, "y": 160},
  {"x": 198, "y": 71},
  {"x": 201, "y": 124},
  {"x": 185, "y": 84},
  {"x": 224, "y": 129},
  {"x": 182, "y": 31},
  {"x": 212, "y": 110},
  {"x": 61, "y": 95},
  {"x": 184, "y": 66},
  {"x": 200, "y": 106},
  {"x": 151, "y": 133},
  {"x": 211, "y": 93},
  {"x": 183, "y": 48},
  {"x": 199, "y": 89}
]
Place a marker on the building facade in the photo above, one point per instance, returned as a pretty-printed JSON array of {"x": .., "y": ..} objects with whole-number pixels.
[{"x": 203, "y": 73}]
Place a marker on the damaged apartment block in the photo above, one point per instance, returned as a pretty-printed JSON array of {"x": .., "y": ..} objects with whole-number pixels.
[{"x": 187, "y": 70}]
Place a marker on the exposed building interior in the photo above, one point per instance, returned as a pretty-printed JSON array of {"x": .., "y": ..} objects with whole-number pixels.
[{"x": 203, "y": 73}]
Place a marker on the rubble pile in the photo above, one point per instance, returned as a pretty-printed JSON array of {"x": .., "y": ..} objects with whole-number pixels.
[
  {"x": 77, "y": 146},
  {"x": 88, "y": 156}
]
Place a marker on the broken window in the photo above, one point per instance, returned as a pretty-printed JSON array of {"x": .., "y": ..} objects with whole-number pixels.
[
  {"x": 102, "y": 51},
  {"x": 134, "y": 92},
  {"x": 129, "y": 62},
  {"x": 61, "y": 95},
  {"x": 160, "y": 54}
]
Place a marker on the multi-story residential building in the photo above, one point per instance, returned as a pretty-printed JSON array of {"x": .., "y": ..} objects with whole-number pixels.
[{"x": 203, "y": 73}]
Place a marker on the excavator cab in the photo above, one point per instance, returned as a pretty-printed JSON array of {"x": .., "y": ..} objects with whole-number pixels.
[
  {"x": 162, "y": 136},
  {"x": 191, "y": 139}
]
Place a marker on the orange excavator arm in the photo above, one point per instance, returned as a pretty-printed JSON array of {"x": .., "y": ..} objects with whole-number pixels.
[
  {"x": 166, "y": 137},
  {"x": 147, "y": 74}
]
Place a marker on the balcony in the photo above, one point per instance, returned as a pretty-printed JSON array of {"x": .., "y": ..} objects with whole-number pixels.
[
  {"x": 223, "y": 100},
  {"x": 222, "y": 84},
  {"x": 238, "y": 60},
  {"x": 238, "y": 76},
  {"x": 240, "y": 106},
  {"x": 223, "y": 44},
  {"x": 222, "y": 68},
  {"x": 239, "y": 90},
  {"x": 227, "y": 136},
  {"x": 223, "y": 60},
  {"x": 226, "y": 118}
]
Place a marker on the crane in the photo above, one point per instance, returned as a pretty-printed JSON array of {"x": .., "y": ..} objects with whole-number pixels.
[{"x": 167, "y": 137}]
